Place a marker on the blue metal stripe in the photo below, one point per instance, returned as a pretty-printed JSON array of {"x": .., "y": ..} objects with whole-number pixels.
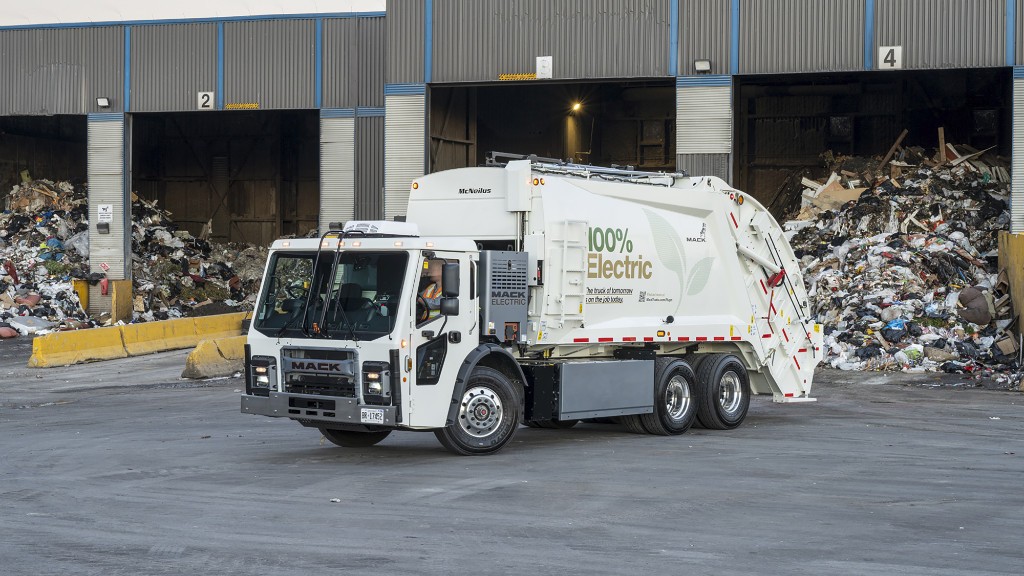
[
  {"x": 734, "y": 56},
  {"x": 1011, "y": 32},
  {"x": 404, "y": 89},
  {"x": 673, "y": 39},
  {"x": 199, "y": 20},
  {"x": 105, "y": 117},
  {"x": 428, "y": 52},
  {"x": 127, "y": 68},
  {"x": 709, "y": 80},
  {"x": 370, "y": 111},
  {"x": 1018, "y": 72},
  {"x": 338, "y": 113},
  {"x": 220, "y": 66},
  {"x": 869, "y": 34},
  {"x": 318, "y": 64}
]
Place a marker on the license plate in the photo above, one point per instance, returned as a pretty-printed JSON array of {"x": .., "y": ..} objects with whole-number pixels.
[{"x": 371, "y": 415}]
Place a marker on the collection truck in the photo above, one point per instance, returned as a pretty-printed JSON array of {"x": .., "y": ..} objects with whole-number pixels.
[{"x": 567, "y": 293}]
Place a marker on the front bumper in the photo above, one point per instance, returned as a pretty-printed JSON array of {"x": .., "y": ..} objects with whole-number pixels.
[{"x": 326, "y": 409}]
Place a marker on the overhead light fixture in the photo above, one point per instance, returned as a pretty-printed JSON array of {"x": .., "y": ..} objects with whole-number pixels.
[
  {"x": 103, "y": 102},
  {"x": 577, "y": 106},
  {"x": 702, "y": 65}
]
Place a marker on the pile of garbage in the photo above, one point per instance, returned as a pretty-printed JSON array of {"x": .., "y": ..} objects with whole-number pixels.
[
  {"x": 901, "y": 261},
  {"x": 44, "y": 246}
]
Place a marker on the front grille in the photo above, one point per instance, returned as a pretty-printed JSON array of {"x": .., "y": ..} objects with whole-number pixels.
[{"x": 321, "y": 372}]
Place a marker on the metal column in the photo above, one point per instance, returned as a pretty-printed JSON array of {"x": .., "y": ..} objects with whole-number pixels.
[
  {"x": 337, "y": 166},
  {"x": 109, "y": 203},
  {"x": 704, "y": 125},
  {"x": 404, "y": 144}
]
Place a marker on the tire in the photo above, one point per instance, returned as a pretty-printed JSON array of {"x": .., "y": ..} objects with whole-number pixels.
[
  {"x": 723, "y": 392},
  {"x": 633, "y": 423},
  {"x": 533, "y": 424},
  {"x": 350, "y": 439},
  {"x": 675, "y": 405},
  {"x": 488, "y": 415}
]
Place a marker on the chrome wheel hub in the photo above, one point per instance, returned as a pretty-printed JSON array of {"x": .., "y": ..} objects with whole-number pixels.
[
  {"x": 730, "y": 393},
  {"x": 677, "y": 398},
  {"x": 480, "y": 412}
]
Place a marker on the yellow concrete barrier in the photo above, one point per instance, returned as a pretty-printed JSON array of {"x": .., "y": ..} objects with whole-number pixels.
[
  {"x": 150, "y": 337},
  {"x": 77, "y": 346},
  {"x": 218, "y": 357},
  {"x": 74, "y": 347}
]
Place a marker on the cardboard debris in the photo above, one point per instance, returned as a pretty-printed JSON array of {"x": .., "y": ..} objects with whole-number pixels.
[
  {"x": 44, "y": 246},
  {"x": 887, "y": 264}
]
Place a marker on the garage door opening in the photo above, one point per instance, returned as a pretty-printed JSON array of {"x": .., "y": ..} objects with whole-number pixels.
[
  {"x": 42, "y": 147},
  {"x": 785, "y": 124},
  {"x": 246, "y": 176},
  {"x": 626, "y": 123}
]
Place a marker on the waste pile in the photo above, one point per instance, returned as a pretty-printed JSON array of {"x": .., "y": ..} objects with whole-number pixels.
[
  {"x": 901, "y": 262},
  {"x": 44, "y": 245}
]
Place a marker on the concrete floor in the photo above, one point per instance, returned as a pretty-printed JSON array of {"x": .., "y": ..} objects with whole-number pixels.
[{"x": 120, "y": 468}]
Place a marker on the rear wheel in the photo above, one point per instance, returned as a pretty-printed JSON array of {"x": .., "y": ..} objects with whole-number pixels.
[
  {"x": 675, "y": 406},
  {"x": 487, "y": 418},
  {"x": 723, "y": 396},
  {"x": 350, "y": 439},
  {"x": 633, "y": 423}
]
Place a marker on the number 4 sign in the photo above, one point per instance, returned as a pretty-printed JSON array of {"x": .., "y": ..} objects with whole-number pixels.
[{"x": 890, "y": 57}]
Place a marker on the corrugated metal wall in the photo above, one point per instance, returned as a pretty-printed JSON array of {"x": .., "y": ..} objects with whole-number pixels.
[
  {"x": 1019, "y": 29},
  {"x": 270, "y": 63},
  {"x": 61, "y": 71},
  {"x": 943, "y": 33},
  {"x": 170, "y": 64},
  {"x": 706, "y": 165},
  {"x": 586, "y": 38},
  {"x": 106, "y": 186},
  {"x": 337, "y": 170},
  {"x": 704, "y": 120},
  {"x": 405, "y": 149},
  {"x": 370, "y": 168},
  {"x": 704, "y": 30},
  {"x": 406, "y": 38},
  {"x": 1017, "y": 167},
  {"x": 353, "y": 60},
  {"x": 801, "y": 36}
]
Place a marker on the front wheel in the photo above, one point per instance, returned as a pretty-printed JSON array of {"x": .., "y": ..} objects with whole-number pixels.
[
  {"x": 350, "y": 439},
  {"x": 487, "y": 418},
  {"x": 723, "y": 392}
]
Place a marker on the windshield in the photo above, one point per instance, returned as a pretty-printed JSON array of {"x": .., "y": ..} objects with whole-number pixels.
[{"x": 348, "y": 295}]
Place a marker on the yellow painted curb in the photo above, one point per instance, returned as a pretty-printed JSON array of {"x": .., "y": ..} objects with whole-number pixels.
[
  {"x": 74, "y": 347},
  {"x": 77, "y": 346},
  {"x": 217, "y": 357}
]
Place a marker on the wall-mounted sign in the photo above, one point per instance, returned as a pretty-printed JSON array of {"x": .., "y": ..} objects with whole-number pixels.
[
  {"x": 105, "y": 213},
  {"x": 544, "y": 66},
  {"x": 890, "y": 57},
  {"x": 204, "y": 100}
]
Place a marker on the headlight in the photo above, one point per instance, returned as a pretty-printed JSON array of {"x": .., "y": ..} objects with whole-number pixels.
[{"x": 262, "y": 371}]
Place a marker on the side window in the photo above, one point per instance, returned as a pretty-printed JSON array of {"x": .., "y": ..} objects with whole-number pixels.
[{"x": 428, "y": 297}]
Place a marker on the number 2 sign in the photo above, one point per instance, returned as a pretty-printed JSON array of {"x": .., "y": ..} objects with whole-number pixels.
[
  {"x": 890, "y": 57},
  {"x": 204, "y": 100}
]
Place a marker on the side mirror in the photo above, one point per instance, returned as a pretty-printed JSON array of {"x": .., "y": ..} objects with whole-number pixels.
[
  {"x": 450, "y": 306},
  {"x": 450, "y": 282}
]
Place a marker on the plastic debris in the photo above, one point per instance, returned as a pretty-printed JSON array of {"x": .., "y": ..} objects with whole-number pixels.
[
  {"x": 902, "y": 266},
  {"x": 44, "y": 246}
]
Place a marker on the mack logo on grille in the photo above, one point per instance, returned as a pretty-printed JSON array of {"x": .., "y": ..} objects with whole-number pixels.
[{"x": 316, "y": 366}]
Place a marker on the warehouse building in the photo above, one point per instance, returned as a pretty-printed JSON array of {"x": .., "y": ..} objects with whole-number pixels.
[{"x": 257, "y": 124}]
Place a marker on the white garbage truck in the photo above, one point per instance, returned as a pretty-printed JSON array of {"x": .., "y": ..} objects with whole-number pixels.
[{"x": 534, "y": 293}]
